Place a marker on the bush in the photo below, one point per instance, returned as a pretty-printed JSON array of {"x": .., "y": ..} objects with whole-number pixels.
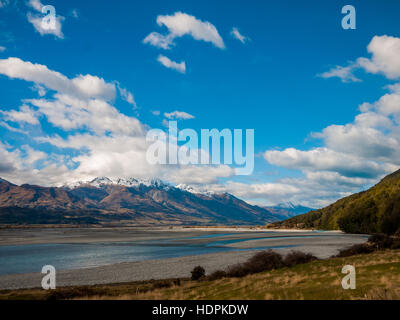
[
  {"x": 219, "y": 274},
  {"x": 261, "y": 261},
  {"x": 264, "y": 261},
  {"x": 297, "y": 257},
  {"x": 198, "y": 273},
  {"x": 356, "y": 249},
  {"x": 162, "y": 284},
  {"x": 381, "y": 241},
  {"x": 238, "y": 271}
]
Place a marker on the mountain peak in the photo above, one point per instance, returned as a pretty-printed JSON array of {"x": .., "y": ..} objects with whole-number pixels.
[
  {"x": 100, "y": 182},
  {"x": 144, "y": 202},
  {"x": 286, "y": 205}
]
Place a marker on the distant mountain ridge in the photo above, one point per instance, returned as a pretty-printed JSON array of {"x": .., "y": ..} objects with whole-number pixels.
[
  {"x": 372, "y": 211},
  {"x": 288, "y": 209},
  {"x": 125, "y": 201}
]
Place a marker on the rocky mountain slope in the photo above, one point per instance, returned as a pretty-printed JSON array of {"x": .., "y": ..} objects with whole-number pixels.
[{"x": 124, "y": 201}]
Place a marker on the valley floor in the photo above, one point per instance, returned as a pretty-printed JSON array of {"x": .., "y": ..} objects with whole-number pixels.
[
  {"x": 23, "y": 247},
  {"x": 377, "y": 277}
]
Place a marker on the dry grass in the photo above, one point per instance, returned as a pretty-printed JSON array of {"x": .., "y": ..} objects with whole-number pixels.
[{"x": 378, "y": 277}]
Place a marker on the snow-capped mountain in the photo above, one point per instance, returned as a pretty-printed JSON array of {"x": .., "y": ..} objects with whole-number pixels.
[
  {"x": 100, "y": 182},
  {"x": 126, "y": 201},
  {"x": 193, "y": 189},
  {"x": 288, "y": 209}
]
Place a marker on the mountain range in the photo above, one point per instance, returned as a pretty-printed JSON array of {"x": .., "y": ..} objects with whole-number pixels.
[
  {"x": 375, "y": 210},
  {"x": 126, "y": 201},
  {"x": 288, "y": 209}
]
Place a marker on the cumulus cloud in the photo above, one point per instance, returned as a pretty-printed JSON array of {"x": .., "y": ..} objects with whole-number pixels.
[
  {"x": 237, "y": 35},
  {"x": 324, "y": 159},
  {"x": 97, "y": 139},
  {"x": 181, "y": 24},
  {"x": 354, "y": 155},
  {"x": 385, "y": 51},
  {"x": 168, "y": 63},
  {"x": 2, "y": 49},
  {"x": 83, "y": 86}
]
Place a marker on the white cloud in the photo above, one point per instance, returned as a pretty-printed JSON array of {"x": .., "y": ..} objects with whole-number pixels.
[
  {"x": 98, "y": 140},
  {"x": 159, "y": 40},
  {"x": 357, "y": 154},
  {"x": 181, "y": 24},
  {"x": 95, "y": 115},
  {"x": 168, "y": 63},
  {"x": 127, "y": 96},
  {"x": 83, "y": 86},
  {"x": 178, "y": 115},
  {"x": 2, "y": 49},
  {"x": 37, "y": 19},
  {"x": 324, "y": 159},
  {"x": 354, "y": 155},
  {"x": 197, "y": 174},
  {"x": 385, "y": 59},
  {"x": 344, "y": 73},
  {"x": 12, "y": 129},
  {"x": 25, "y": 114},
  {"x": 385, "y": 51},
  {"x": 36, "y": 4},
  {"x": 236, "y": 34},
  {"x": 39, "y": 89}
]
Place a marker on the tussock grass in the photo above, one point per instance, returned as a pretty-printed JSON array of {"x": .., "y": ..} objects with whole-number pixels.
[{"x": 378, "y": 277}]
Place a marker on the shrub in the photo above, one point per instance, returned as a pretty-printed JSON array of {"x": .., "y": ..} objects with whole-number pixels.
[
  {"x": 219, "y": 274},
  {"x": 261, "y": 261},
  {"x": 381, "y": 241},
  {"x": 356, "y": 249},
  {"x": 297, "y": 257},
  {"x": 198, "y": 273},
  {"x": 162, "y": 284},
  {"x": 238, "y": 271}
]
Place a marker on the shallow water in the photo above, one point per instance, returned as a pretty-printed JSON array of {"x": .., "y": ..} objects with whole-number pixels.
[
  {"x": 27, "y": 258},
  {"x": 32, "y": 257}
]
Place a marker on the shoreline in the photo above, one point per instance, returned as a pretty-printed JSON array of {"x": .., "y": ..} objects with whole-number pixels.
[
  {"x": 64, "y": 235},
  {"x": 243, "y": 243}
]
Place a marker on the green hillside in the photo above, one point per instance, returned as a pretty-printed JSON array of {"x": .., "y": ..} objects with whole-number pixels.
[{"x": 372, "y": 211}]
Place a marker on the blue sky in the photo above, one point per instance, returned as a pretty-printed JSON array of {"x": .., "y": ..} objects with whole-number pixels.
[{"x": 282, "y": 80}]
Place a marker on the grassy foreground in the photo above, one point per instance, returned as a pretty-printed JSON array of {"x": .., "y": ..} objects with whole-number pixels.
[{"x": 377, "y": 276}]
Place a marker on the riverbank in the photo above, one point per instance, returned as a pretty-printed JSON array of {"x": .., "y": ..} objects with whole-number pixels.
[
  {"x": 378, "y": 277},
  {"x": 229, "y": 247}
]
